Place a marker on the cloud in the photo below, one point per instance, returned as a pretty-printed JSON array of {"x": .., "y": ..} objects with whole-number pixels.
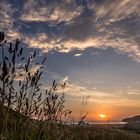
[
  {"x": 6, "y": 13},
  {"x": 115, "y": 10},
  {"x": 21, "y": 74},
  {"x": 7, "y": 21},
  {"x": 78, "y": 54},
  {"x": 65, "y": 79},
  {"x": 39, "y": 40},
  {"x": 107, "y": 26},
  {"x": 77, "y": 92},
  {"x": 101, "y": 24},
  {"x": 12, "y": 34},
  {"x": 117, "y": 98},
  {"x": 64, "y": 10}
]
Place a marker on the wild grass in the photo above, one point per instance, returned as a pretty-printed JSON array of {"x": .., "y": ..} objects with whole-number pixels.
[
  {"x": 28, "y": 113},
  {"x": 21, "y": 94}
]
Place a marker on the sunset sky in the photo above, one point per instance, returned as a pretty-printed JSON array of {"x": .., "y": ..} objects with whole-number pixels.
[{"x": 93, "y": 45}]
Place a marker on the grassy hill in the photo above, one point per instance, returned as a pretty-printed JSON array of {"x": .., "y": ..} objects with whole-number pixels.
[{"x": 20, "y": 127}]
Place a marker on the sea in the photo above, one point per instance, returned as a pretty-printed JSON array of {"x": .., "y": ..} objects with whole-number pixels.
[{"x": 99, "y": 123}]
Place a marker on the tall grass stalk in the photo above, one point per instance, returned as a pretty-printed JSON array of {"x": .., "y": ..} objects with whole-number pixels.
[{"x": 22, "y": 102}]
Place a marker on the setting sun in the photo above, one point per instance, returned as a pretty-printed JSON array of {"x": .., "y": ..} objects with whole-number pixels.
[{"x": 102, "y": 115}]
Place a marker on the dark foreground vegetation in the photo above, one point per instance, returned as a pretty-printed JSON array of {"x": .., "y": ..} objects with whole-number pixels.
[{"x": 29, "y": 113}]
